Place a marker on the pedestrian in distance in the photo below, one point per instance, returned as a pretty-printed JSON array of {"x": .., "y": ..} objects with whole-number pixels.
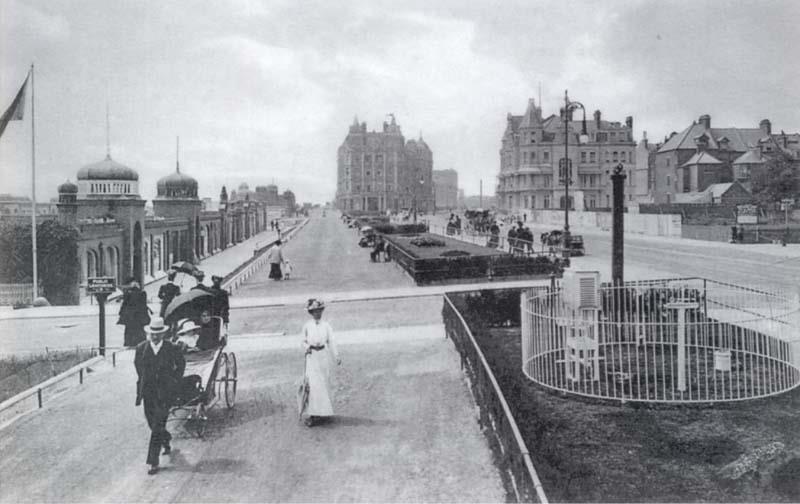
[
  {"x": 275, "y": 258},
  {"x": 134, "y": 313},
  {"x": 159, "y": 366},
  {"x": 320, "y": 353},
  {"x": 221, "y": 305},
  {"x": 168, "y": 292}
]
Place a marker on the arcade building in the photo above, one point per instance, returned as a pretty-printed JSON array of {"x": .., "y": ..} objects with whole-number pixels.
[{"x": 118, "y": 237}]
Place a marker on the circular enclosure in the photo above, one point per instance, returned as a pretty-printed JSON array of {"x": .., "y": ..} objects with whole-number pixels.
[{"x": 670, "y": 341}]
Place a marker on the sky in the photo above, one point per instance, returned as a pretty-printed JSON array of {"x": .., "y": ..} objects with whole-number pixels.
[{"x": 265, "y": 91}]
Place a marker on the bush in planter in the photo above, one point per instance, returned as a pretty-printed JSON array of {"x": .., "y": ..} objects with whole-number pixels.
[
  {"x": 400, "y": 228},
  {"x": 428, "y": 241}
]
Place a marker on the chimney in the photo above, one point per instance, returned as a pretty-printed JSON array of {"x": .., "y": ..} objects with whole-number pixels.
[
  {"x": 766, "y": 127},
  {"x": 629, "y": 122},
  {"x": 644, "y": 138},
  {"x": 597, "y": 118},
  {"x": 705, "y": 120}
]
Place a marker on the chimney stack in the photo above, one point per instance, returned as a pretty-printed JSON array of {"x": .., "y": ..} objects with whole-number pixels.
[
  {"x": 629, "y": 122},
  {"x": 705, "y": 120},
  {"x": 597, "y": 118},
  {"x": 766, "y": 127}
]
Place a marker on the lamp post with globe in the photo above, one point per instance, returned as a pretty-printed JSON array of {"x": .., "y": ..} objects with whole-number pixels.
[{"x": 565, "y": 164}]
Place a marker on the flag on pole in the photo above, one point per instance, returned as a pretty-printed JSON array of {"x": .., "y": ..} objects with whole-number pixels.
[{"x": 16, "y": 110}]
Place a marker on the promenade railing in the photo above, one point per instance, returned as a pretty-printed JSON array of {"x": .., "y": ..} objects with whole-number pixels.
[{"x": 496, "y": 418}]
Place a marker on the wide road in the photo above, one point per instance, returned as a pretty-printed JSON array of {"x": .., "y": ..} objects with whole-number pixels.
[
  {"x": 763, "y": 265},
  {"x": 326, "y": 258},
  {"x": 405, "y": 431}
]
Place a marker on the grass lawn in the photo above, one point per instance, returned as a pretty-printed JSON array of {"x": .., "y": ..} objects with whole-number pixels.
[
  {"x": 21, "y": 373},
  {"x": 587, "y": 450}
]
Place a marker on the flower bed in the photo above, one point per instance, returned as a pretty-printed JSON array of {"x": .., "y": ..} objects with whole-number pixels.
[{"x": 458, "y": 260}]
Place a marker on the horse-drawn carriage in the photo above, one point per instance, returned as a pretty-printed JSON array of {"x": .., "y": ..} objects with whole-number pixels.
[
  {"x": 555, "y": 239},
  {"x": 211, "y": 372}
]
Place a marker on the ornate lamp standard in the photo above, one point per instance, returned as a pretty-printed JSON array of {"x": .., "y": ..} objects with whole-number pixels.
[{"x": 565, "y": 164}]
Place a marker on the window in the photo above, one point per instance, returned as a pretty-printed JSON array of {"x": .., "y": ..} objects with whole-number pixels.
[
  {"x": 592, "y": 203},
  {"x": 592, "y": 180},
  {"x": 608, "y": 203},
  {"x": 525, "y": 157},
  {"x": 583, "y": 157},
  {"x": 368, "y": 172},
  {"x": 546, "y": 181},
  {"x": 547, "y": 202},
  {"x": 526, "y": 202},
  {"x": 592, "y": 157},
  {"x": 533, "y": 157},
  {"x": 613, "y": 137},
  {"x": 615, "y": 156},
  {"x": 369, "y": 188},
  {"x": 546, "y": 156},
  {"x": 669, "y": 181},
  {"x": 667, "y": 161},
  {"x": 608, "y": 157},
  {"x": 533, "y": 137},
  {"x": 533, "y": 201},
  {"x": 358, "y": 187}
]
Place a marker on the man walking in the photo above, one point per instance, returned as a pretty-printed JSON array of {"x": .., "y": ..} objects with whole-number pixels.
[
  {"x": 168, "y": 292},
  {"x": 159, "y": 366}
]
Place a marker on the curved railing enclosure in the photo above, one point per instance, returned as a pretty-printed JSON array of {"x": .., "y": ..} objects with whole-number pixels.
[{"x": 670, "y": 341}]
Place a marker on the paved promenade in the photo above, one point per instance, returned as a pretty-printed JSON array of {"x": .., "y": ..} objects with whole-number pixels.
[{"x": 405, "y": 431}]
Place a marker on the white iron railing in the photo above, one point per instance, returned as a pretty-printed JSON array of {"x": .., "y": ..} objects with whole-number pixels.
[{"x": 685, "y": 340}]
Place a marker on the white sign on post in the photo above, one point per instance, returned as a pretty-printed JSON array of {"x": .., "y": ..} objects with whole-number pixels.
[{"x": 747, "y": 214}]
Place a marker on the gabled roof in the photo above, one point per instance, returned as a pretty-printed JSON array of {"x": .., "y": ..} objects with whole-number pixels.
[
  {"x": 752, "y": 156},
  {"x": 702, "y": 158},
  {"x": 532, "y": 117},
  {"x": 739, "y": 139},
  {"x": 717, "y": 190}
]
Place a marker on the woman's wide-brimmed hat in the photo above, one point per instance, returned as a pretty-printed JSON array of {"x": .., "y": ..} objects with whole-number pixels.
[
  {"x": 315, "y": 304},
  {"x": 188, "y": 327},
  {"x": 156, "y": 326}
]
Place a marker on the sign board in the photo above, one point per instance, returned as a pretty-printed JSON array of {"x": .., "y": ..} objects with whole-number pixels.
[
  {"x": 747, "y": 214},
  {"x": 101, "y": 285}
]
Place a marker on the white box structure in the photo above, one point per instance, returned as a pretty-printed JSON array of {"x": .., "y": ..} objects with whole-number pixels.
[{"x": 581, "y": 295}]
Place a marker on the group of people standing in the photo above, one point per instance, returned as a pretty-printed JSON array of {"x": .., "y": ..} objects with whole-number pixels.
[
  {"x": 520, "y": 239},
  {"x": 134, "y": 313}
]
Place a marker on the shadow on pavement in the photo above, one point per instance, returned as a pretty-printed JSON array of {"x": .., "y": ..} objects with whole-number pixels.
[{"x": 353, "y": 421}]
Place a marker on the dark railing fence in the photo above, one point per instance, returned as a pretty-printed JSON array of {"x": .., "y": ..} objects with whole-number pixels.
[{"x": 496, "y": 419}]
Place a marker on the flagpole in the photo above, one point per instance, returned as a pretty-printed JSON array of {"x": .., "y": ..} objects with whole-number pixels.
[{"x": 33, "y": 190}]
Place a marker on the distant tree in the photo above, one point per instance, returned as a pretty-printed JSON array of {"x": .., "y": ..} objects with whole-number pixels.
[
  {"x": 777, "y": 180},
  {"x": 57, "y": 254}
]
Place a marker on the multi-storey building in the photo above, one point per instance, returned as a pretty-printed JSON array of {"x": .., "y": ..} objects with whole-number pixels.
[
  {"x": 445, "y": 183},
  {"x": 378, "y": 171},
  {"x": 531, "y": 153},
  {"x": 699, "y": 156},
  {"x": 644, "y": 173}
]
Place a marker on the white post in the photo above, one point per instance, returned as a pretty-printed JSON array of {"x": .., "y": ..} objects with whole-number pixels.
[{"x": 682, "y": 349}]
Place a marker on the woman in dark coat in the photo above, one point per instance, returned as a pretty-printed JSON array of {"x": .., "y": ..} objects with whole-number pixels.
[{"x": 134, "y": 314}]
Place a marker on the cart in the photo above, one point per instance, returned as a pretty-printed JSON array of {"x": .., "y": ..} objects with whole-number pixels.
[{"x": 211, "y": 375}]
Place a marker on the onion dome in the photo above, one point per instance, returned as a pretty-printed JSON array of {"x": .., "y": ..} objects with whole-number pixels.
[
  {"x": 244, "y": 187},
  {"x": 107, "y": 169},
  {"x": 68, "y": 188},
  {"x": 177, "y": 185}
]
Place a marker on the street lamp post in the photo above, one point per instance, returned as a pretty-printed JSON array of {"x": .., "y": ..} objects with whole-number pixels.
[{"x": 569, "y": 107}]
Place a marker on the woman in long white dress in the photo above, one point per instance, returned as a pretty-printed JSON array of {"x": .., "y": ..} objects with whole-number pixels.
[{"x": 320, "y": 352}]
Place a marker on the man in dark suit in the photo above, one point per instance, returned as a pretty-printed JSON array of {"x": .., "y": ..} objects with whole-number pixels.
[
  {"x": 168, "y": 291},
  {"x": 134, "y": 313},
  {"x": 159, "y": 365},
  {"x": 221, "y": 303},
  {"x": 199, "y": 276}
]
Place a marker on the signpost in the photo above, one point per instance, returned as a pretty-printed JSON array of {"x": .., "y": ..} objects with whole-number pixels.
[
  {"x": 786, "y": 204},
  {"x": 101, "y": 287},
  {"x": 747, "y": 214}
]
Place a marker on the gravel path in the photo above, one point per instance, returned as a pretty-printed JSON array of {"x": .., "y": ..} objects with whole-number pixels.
[{"x": 405, "y": 431}]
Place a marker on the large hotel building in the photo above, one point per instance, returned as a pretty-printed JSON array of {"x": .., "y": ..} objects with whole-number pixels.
[
  {"x": 380, "y": 170},
  {"x": 533, "y": 146}
]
